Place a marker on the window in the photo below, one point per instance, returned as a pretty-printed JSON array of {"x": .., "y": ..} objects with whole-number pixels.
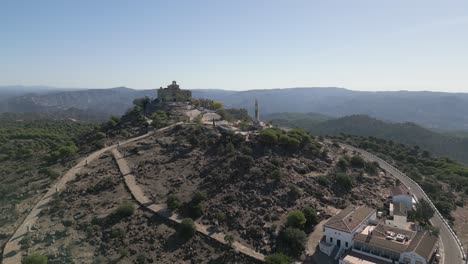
[
  {"x": 346, "y": 244},
  {"x": 331, "y": 239}
]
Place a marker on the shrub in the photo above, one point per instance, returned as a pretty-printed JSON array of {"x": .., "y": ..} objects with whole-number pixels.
[
  {"x": 187, "y": 228},
  {"x": 296, "y": 219},
  {"x": 323, "y": 180},
  {"x": 357, "y": 161},
  {"x": 344, "y": 181},
  {"x": 172, "y": 202},
  {"x": 125, "y": 209},
  {"x": 342, "y": 164},
  {"x": 278, "y": 258},
  {"x": 221, "y": 217},
  {"x": 229, "y": 240},
  {"x": 196, "y": 210},
  {"x": 294, "y": 192},
  {"x": 123, "y": 252},
  {"x": 276, "y": 175},
  {"x": 141, "y": 259},
  {"x": 35, "y": 258},
  {"x": 199, "y": 197}
]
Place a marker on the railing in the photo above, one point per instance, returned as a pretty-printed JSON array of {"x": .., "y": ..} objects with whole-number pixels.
[{"x": 460, "y": 245}]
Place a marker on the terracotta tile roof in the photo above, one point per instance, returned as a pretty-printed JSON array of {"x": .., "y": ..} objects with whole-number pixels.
[
  {"x": 399, "y": 190},
  {"x": 349, "y": 218}
]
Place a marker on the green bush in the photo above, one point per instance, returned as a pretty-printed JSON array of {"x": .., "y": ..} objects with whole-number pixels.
[
  {"x": 35, "y": 258},
  {"x": 342, "y": 164},
  {"x": 276, "y": 175},
  {"x": 323, "y": 180},
  {"x": 278, "y": 258},
  {"x": 195, "y": 210},
  {"x": 357, "y": 161},
  {"x": 199, "y": 197},
  {"x": 344, "y": 181},
  {"x": 125, "y": 209},
  {"x": 172, "y": 202},
  {"x": 296, "y": 219},
  {"x": 187, "y": 228}
]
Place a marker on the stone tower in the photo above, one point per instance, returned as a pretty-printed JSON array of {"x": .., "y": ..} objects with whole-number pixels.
[{"x": 257, "y": 114}]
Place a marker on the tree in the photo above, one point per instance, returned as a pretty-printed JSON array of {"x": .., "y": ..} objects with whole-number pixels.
[
  {"x": 311, "y": 218},
  {"x": 423, "y": 211},
  {"x": 296, "y": 219},
  {"x": 187, "y": 228},
  {"x": 291, "y": 241},
  {"x": 344, "y": 181},
  {"x": 159, "y": 119},
  {"x": 278, "y": 258},
  {"x": 35, "y": 258}
]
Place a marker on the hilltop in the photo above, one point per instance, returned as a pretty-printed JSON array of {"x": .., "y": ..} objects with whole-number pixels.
[
  {"x": 229, "y": 177},
  {"x": 433, "y": 110}
]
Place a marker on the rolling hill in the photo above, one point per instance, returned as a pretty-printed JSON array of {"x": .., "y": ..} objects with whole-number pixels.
[{"x": 361, "y": 125}]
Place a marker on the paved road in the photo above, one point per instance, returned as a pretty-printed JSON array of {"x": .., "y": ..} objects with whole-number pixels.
[{"x": 453, "y": 252}]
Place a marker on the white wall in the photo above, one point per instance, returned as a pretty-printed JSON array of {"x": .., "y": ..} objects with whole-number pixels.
[
  {"x": 413, "y": 257},
  {"x": 407, "y": 200},
  {"x": 338, "y": 235}
]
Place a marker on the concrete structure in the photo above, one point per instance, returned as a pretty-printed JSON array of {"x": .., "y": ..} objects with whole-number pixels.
[
  {"x": 339, "y": 231},
  {"x": 401, "y": 194},
  {"x": 398, "y": 216},
  {"x": 173, "y": 93}
]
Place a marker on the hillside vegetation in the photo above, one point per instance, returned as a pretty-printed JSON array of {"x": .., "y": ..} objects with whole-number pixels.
[
  {"x": 444, "y": 180},
  {"x": 33, "y": 154},
  {"x": 455, "y": 147}
]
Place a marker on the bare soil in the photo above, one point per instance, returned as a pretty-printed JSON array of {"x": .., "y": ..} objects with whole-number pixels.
[{"x": 79, "y": 227}]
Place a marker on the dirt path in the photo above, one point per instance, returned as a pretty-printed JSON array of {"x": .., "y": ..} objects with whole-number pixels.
[
  {"x": 12, "y": 247},
  {"x": 159, "y": 208}
]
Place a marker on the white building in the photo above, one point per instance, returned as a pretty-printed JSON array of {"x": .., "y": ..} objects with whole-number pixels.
[
  {"x": 398, "y": 216},
  {"x": 401, "y": 194},
  {"x": 386, "y": 244},
  {"x": 339, "y": 231}
]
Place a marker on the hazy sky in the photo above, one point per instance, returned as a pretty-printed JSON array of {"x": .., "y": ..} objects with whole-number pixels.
[{"x": 251, "y": 44}]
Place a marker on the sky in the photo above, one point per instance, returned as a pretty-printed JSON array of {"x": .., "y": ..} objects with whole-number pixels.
[{"x": 244, "y": 44}]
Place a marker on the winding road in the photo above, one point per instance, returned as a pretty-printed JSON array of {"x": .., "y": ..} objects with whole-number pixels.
[{"x": 452, "y": 248}]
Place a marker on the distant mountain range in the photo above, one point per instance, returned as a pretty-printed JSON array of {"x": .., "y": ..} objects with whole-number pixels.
[
  {"x": 434, "y": 110},
  {"x": 455, "y": 147},
  {"x": 113, "y": 101}
]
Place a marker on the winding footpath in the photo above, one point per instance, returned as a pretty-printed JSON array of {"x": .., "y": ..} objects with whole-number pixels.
[
  {"x": 453, "y": 249},
  {"x": 11, "y": 252},
  {"x": 12, "y": 249},
  {"x": 161, "y": 210}
]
